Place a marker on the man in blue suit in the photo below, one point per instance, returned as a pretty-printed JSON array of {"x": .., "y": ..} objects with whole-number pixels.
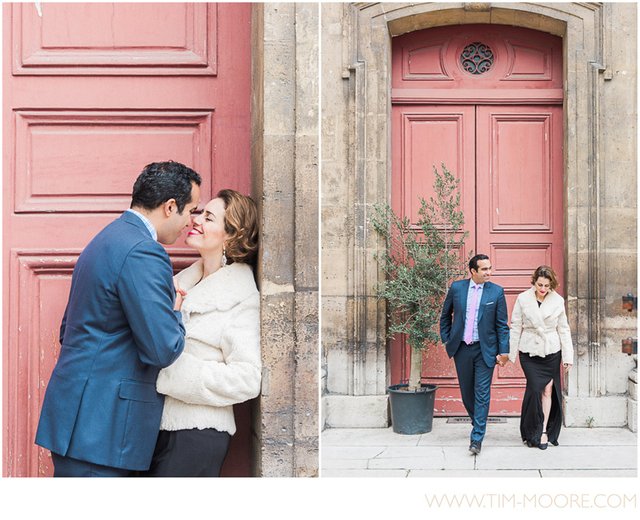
[
  {"x": 101, "y": 412},
  {"x": 473, "y": 326}
]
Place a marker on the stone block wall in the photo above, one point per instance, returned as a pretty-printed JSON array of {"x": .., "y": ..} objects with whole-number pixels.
[
  {"x": 285, "y": 161},
  {"x": 601, "y": 392}
]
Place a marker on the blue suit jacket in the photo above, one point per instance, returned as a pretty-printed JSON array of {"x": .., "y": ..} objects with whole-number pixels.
[
  {"x": 493, "y": 329},
  {"x": 119, "y": 329}
]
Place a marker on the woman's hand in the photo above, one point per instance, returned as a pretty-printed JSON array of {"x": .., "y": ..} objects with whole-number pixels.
[
  {"x": 567, "y": 366},
  {"x": 180, "y": 294},
  {"x": 502, "y": 359}
]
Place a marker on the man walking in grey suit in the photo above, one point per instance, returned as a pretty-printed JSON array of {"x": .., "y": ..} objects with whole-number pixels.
[{"x": 473, "y": 326}]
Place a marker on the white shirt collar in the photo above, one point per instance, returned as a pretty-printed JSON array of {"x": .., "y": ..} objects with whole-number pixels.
[{"x": 146, "y": 222}]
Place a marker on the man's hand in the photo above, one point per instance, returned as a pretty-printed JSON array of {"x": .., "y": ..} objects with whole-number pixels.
[{"x": 502, "y": 359}]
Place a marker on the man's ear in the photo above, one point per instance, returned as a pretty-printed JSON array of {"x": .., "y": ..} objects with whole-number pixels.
[{"x": 169, "y": 207}]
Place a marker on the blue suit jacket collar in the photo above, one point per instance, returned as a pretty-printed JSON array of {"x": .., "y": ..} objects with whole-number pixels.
[
  {"x": 486, "y": 293},
  {"x": 464, "y": 286},
  {"x": 130, "y": 218}
]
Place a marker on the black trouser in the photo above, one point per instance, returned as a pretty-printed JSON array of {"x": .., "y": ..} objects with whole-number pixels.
[{"x": 189, "y": 453}]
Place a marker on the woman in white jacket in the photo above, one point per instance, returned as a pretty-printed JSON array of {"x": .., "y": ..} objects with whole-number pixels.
[
  {"x": 540, "y": 333},
  {"x": 221, "y": 364}
]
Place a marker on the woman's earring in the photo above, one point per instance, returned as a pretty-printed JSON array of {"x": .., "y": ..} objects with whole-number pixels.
[{"x": 224, "y": 257}]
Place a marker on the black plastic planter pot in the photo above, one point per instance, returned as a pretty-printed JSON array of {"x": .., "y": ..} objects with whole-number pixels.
[{"x": 412, "y": 411}]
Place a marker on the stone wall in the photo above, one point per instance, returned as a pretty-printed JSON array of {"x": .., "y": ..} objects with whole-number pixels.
[
  {"x": 603, "y": 395},
  {"x": 600, "y": 193},
  {"x": 285, "y": 161},
  {"x": 354, "y": 354}
]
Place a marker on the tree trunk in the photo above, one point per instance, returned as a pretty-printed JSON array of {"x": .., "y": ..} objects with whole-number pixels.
[{"x": 416, "y": 369}]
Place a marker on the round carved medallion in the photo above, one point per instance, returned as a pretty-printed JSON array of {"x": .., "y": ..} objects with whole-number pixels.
[{"x": 476, "y": 58}]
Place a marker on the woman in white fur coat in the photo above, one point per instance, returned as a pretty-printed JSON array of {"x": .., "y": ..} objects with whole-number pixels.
[
  {"x": 540, "y": 334},
  {"x": 221, "y": 363}
]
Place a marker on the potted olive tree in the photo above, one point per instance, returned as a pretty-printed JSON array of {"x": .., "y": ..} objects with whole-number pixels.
[{"x": 419, "y": 262}]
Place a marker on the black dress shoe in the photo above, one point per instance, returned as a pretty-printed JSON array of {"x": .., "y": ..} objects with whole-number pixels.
[
  {"x": 475, "y": 447},
  {"x": 544, "y": 445}
]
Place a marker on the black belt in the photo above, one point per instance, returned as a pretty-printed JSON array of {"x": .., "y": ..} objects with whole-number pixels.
[{"x": 472, "y": 344}]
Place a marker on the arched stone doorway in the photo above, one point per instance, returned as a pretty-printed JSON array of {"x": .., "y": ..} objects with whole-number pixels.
[
  {"x": 486, "y": 101},
  {"x": 356, "y": 368}
]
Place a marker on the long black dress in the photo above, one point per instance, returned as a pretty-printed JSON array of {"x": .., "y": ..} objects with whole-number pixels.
[{"x": 539, "y": 371}]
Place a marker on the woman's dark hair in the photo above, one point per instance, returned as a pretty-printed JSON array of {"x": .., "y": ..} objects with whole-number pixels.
[
  {"x": 544, "y": 271},
  {"x": 241, "y": 224},
  {"x": 160, "y": 181},
  {"x": 473, "y": 263}
]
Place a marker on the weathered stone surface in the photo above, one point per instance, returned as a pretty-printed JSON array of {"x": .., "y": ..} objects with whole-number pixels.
[
  {"x": 632, "y": 415},
  {"x": 277, "y": 459},
  {"x": 278, "y": 347},
  {"x": 633, "y": 384},
  {"x": 617, "y": 363},
  {"x": 285, "y": 157},
  {"x": 335, "y": 309},
  {"x": 306, "y": 459},
  {"x": 601, "y": 411},
  {"x": 632, "y": 406},
  {"x": 367, "y": 411},
  {"x": 620, "y": 223},
  {"x": 306, "y": 363},
  {"x": 335, "y": 273},
  {"x": 338, "y": 379},
  {"x": 306, "y": 211}
]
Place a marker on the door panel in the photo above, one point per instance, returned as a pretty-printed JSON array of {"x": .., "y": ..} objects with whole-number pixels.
[
  {"x": 520, "y": 224},
  {"x": 54, "y": 174},
  {"x": 92, "y": 93},
  {"x": 519, "y": 158},
  {"x": 429, "y": 136},
  {"x": 477, "y": 63},
  {"x": 120, "y": 39}
]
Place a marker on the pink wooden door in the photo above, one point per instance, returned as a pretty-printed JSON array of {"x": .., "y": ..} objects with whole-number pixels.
[
  {"x": 92, "y": 93},
  {"x": 519, "y": 194},
  {"x": 427, "y": 136},
  {"x": 486, "y": 102}
]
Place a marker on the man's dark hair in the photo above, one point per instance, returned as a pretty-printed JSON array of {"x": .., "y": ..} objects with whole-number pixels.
[
  {"x": 473, "y": 263},
  {"x": 161, "y": 181}
]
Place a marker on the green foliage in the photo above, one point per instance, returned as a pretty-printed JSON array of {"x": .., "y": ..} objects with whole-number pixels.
[{"x": 421, "y": 260}]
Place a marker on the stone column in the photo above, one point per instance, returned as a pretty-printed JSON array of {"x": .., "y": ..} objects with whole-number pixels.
[
  {"x": 285, "y": 162},
  {"x": 618, "y": 159},
  {"x": 602, "y": 213},
  {"x": 354, "y": 362}
]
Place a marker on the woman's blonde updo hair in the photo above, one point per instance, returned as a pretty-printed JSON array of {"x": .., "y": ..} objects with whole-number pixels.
[
  {"x": 544, "y": 271},
  {"x": 241, "y": 224}
]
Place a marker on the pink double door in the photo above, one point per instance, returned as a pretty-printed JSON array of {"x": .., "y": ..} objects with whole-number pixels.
[
  {"x": 92, "y": 93},
  {"x": 496, "y": 123}
]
